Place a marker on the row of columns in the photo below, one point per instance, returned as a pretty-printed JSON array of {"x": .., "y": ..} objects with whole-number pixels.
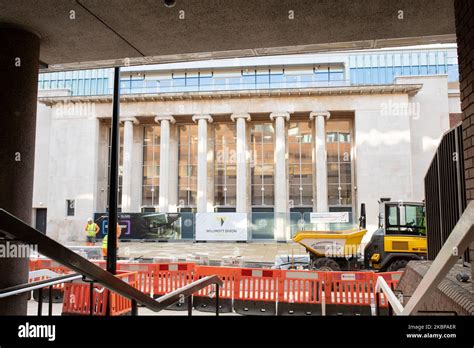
[{"x": 168, "y": 164}]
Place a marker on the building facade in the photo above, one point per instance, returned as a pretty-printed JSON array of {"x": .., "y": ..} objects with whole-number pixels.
[{"x": 275, "y": 138}]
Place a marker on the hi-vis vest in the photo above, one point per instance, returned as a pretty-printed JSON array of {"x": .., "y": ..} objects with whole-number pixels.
[
  {"x": 91, "y": 228},
  {"x": 104, "y": 242}
]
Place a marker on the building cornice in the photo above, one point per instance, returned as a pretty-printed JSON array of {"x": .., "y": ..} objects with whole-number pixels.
[{"x": 410, "y": 89}]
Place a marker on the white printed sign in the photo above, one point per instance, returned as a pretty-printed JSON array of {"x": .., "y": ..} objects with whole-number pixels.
[
  {"x": 221, "y": 226},
  {"x": 325, "y": 218}
]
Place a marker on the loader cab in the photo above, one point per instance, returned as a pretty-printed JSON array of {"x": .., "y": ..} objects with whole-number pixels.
[
  {"x": 401, "y": 218},
  {"x": 400, "y": 237}
]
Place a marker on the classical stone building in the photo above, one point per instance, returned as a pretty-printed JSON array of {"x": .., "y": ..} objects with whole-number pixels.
[{"x": 273, "y": 137}]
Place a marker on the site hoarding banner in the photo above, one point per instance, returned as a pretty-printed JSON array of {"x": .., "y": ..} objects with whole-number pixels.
[
  {"x": 141, "y": 226},
  {"x": 333, "y": 217},
  {"x": 221, "y": 226}
]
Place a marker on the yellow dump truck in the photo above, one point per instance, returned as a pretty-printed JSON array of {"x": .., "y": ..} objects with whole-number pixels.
[{"x": 400, "y": 237}]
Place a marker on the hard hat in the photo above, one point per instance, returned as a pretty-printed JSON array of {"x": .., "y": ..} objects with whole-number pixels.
[{"x": 90, "y": 220}]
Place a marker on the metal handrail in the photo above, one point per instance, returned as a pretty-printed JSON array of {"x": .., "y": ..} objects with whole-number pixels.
[
  {"x": 22, "y": 288},
  {"x": 15, "y": 229},
  {"x": 381, "y": 286},
  {"x": 458, "y": 241}
]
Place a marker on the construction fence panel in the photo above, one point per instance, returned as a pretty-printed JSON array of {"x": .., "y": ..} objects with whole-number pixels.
[
  {"x": 205, "y": 299},
  {"x": 300, "y": 293}
]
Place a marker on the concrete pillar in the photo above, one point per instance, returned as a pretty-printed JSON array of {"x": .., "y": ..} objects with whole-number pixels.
[
  {"x": 242, "y": 162},
  {"x": 127, "y": 176},
  {"x": 202, "y": 187},
  {"x": 173, "y": 169},
  {"x": 19, "y": 64},
  {"x": 280, "y": 176},
  {"x": 165, "y": 121},
  {"x": 321, "y": 201}
]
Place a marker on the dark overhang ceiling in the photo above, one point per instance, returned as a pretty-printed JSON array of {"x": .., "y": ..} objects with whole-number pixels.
[{"x": 118, "y": 32}]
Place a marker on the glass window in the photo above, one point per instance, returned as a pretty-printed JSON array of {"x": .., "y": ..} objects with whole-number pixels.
[
  {"x": 225, "y": 158},
  {"x": 151, "y": 166},
  {"x": 187, "y": 170},
  {"x": 262, "y": 164},
  {"x": 300, "y": 163},
  {"x": 339, "y": 146}
]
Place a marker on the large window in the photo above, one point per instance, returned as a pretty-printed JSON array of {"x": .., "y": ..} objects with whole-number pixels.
[
  {"x": 225, "y": 157},
  {"x": 187, "y": 176},
  {"x": 151, "y": 166},
  {"x": 109, "y": 142},
  {"x": 300, "y": 163},
  {"x": 339, "y": 146},
  {"x": 262, "y": 166}
]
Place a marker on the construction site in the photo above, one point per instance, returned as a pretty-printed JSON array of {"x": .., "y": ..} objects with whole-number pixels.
[{"x": 257, "y": 159}]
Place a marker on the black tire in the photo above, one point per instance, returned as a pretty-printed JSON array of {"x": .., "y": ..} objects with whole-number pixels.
[
  {"x": 325, "y": 264},
  {"x": 397, "y": 265}
]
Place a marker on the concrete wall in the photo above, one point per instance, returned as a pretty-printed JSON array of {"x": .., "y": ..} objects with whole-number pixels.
[
  {"x": 42, "y": 143},
  {"x": 428, "y": 114},
  {"x": 72, "y": 169},
  {"x": 383, "y": 154}
]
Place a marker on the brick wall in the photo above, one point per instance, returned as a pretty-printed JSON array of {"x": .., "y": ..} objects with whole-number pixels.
[
  {"x": 450, "y": 295},
  {"x": 465, "y": 38}
]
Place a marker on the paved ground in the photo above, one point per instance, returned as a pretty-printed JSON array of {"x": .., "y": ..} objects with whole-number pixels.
[{"x": 251, "y": 252}]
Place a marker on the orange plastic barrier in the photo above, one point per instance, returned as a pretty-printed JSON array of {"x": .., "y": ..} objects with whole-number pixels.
[
  {"x": 348, "y": 292},
  {"x": 77, "y": 298},
  {"x": 58, "y": 289},
  {"x": 300, "y": 292},
  {"x": 392, "y": 279},
  {"x": 168, "y": 277},
  {"x": 144, "y": 275},
  {"x": 256, "y": 291},
  {"x": 204, "y": 299},
  {"x": 32, "y": 265}
]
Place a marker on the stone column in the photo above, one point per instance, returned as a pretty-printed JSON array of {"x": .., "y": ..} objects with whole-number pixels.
[
  {"x": 173, "y": 169},
  {"x": 321, "y": 201},
  {"x": 280, "y": 176},
  {"x": 19, "y": 64},
  {"x": 202, "y": 187},
  {"x": 127, "y": 176},
  {"x": 242, "y": 162},
  {"x": 165, "y": 121}
]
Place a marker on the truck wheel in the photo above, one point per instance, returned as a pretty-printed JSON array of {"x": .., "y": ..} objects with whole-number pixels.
[
  {"x": 398, "y": 265},
  {"x": 325, "y": 264}
]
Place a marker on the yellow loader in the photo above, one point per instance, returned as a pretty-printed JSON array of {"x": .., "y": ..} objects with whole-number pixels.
[{"x": 399, "y": 238}]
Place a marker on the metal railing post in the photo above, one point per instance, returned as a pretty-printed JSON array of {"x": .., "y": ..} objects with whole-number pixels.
[
  {"x": 190, "y": 305},
  {"x": 377, "y": 304},
  {"x": 111, "y": 263},
  {"x": 217, "y": 299},
  {"x": 134, "y": 312},
  {"x": 50, "y": 304},
  {"x": 40, "y": 302},
  {"x": 91, "y": 298}
]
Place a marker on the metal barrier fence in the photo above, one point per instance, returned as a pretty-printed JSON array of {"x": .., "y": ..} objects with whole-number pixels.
[{"x": 445, "y": 191}]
